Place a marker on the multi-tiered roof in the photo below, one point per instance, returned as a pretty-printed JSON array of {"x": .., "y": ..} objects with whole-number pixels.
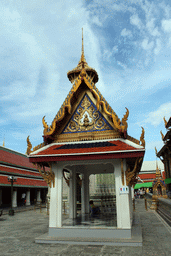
[{"x": 86, "y": 125}]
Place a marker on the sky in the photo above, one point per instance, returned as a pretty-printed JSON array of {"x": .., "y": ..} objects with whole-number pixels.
[{"x": 127, "y": 42}]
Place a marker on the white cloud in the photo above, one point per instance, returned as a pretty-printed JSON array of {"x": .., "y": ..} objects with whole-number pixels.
[
  {"x": 108, "y": 54},
  {"x": 156, "y": 117},
  {"x": 158, "y": 47},
  {"x": 135, "y": 20},
  {"x": 152, "y": 144},
  {"x": 166, "y": 25},
  {"x": 121, "y": 65},
  {"x": 151, "y": 27},
  {"x": 126, "y": 33},
  {"x": 37, "y": 49},
  {"x": 146, "y": 45},
  {"x": 96, "y": 21}
]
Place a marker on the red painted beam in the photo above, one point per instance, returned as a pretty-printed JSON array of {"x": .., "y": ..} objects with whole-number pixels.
[{"x": 86, "y": 157}]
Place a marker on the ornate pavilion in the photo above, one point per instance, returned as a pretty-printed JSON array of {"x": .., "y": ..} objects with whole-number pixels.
[
  {"x": 87, "y": 137},
  {"x": 165, "y": 152}
]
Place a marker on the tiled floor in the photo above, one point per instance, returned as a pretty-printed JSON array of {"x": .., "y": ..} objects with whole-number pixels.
[{"x": 107, "y": 220}]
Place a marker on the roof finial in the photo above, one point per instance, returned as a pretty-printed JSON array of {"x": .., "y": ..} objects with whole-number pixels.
[
  {"x": 4, "y": 141},
  {"x": 82, "y": 50},
  {"x": 82, "y": 43}
]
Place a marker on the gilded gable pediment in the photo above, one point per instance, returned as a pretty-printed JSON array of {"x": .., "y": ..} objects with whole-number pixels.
[{"x": 86, "y": 118}]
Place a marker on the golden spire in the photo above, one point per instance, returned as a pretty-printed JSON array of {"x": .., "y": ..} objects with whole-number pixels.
[
  {"x": 158, "y": 172},
  {"x": 82, "y": 65},
  {"x": 4, "y": 142},
  {"x": 82, "y": 60}
]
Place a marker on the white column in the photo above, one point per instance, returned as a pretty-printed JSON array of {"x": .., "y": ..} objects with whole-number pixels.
[
  {"x": 122, "y": 200},
  {"x": 130, "y": 204},
  {"x": 38, "y": 196},
  {"x": 132, "y": 192},
  {"x": 14, "y": 198},
  {"x": 87, "y": 209},
  {"x": 72, "y": 195},
  {"x": 28, "y": 197},
  {"x": 83, "y": 195},
  {"x": 55, "y": 215},
  {"x": 0, "y": 197}
]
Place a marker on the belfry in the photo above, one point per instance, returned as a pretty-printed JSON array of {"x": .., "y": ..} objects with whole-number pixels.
[{"x": 87, "y": 137}]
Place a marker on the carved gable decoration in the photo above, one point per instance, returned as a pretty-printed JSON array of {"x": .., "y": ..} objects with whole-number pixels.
[{"x": 86, "y": 118}]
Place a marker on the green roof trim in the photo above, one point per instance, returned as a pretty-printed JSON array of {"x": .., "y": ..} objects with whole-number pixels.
[
  {"x": 167, "y": 181},
  {"x": 18, "y": 166},
  {"x": 149, "y": 184},
  {"x": 143, "y": 185},
  {"x": 21, "y": 175},
  {"x": 22, "y": 186}
]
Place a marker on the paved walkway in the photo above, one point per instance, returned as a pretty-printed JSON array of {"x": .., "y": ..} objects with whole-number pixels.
[{"x": 18, "y": 233}]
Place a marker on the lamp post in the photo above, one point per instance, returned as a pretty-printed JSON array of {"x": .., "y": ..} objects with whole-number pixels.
[{"x": 11, "y": 179}]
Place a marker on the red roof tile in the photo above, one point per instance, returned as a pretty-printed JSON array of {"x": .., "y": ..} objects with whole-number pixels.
[
  {"x": 147, "y": 176},
  {"x": 23, "y": 182},
  {"x": 117, "y": 145},
  {"x": 18, "y": 171},
  {"x": 12, "y": 157}
]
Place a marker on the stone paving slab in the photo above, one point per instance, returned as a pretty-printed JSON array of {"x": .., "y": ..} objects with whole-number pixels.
[{"x": 18, "y": 233}]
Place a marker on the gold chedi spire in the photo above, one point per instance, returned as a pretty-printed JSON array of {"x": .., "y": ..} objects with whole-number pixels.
[
  {"x": 158, "y": 172},
  {"x": 82, "y": 64},
  {"x": 3, "y": 142}
]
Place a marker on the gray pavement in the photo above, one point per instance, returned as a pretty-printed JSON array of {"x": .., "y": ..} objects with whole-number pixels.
[{"x": 18, "y": 233}]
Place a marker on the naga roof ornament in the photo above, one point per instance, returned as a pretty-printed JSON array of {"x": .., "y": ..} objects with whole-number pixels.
[
  {"x": 74, "y": 73},
  {"x": 142, "y": 140},
  {"x": 165, "y": 122}
]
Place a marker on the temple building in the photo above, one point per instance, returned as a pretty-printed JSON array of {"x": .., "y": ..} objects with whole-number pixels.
[
  {"x": 28, "y": 179},
  {"x": 159, "y": 186},
  {"x": 87, "y": 137},
  {"x": 148, "y": 173},
  {"x": 165, "y": 153}
]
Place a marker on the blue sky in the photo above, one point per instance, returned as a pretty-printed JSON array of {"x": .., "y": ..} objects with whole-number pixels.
[{"x": 128, "y": 43}]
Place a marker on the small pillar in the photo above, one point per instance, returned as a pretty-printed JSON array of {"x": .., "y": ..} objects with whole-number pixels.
[
  {"x": 38, "y": 196},
  {"x": 87, "y": 208},
  {"x": 72, "y": 196},
  {"x": 131, "y": 203},
  {"x": 122, "y": 200},
  {"x": 28, "y": 197},
  {"x": 132, "y": 192},
  {"x": 14, "y": 198},
  {"x": 0, "y": 197},
  {"x": 55, "y": 218},
  {"x": 83, "y": 195}
]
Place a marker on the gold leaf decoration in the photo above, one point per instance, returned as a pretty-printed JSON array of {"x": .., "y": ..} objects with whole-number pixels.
[
  {"x": 47, "y": 175},
  {"x": 121, "y": 125},
  {"x": 86, "y": 118},
  {"x": 29, "y": 146},
  {"x": 162, "y": 135},
  {"x": 142, "y": 138},
  {"x": 38, "y": 146},
  {"x": 131, "y": 175},
  {"x": 156, "y": 151},
  {"x": 165, "y": 122}
]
